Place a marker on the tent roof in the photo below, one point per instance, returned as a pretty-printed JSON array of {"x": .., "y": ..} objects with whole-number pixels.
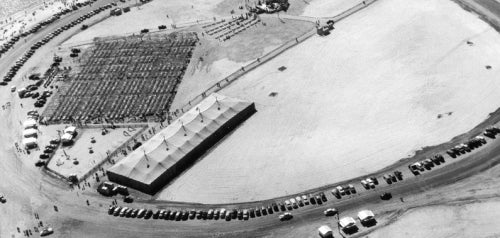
[
  {"x": 66, "y": 136},
  {"x": 30, "y": 132},
  {"x": 365, "y": 214},
  {"x": 171, "y": 144},
  {"x": 347, "y": 221},
  {"x": 70, "y": 129},
  {"x": 29, "y": 123},
  {"x": 30, "y": 140}
]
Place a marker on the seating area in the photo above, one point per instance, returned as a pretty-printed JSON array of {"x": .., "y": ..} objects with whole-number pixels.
[
  {"x": 225, "y": 30},
  {"x": 126, "y": 80}
]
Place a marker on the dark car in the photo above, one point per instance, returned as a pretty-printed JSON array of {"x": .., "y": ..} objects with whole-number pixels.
[
  {"x": 386, "y": 196},
  {"x": 44, "y": 156},
  {"x": 148, "y": 214},
  {"x": 40, "y": 163},
  {"x": 48, "y": 151},
  {"x": 192, "y": 214},
  {"x": 156, "y": 214}
]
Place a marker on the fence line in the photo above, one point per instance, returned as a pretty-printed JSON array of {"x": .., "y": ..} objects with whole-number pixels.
[
  {"x": 111, "y": 155},
  {"x": 245, "y": 69}
]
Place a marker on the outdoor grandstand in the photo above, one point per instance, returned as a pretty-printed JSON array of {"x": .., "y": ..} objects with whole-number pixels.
[
  {"x": 168, "y": 153},
  {"x": 129, "y": 79}
]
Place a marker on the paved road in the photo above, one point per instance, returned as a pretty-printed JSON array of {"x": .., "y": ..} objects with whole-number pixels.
[{"x": 29, "y": 191}]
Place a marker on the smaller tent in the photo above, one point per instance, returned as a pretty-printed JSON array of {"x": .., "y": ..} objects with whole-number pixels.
[
  {"x": 30, "y": 133},
  {"x": 30, "y": 123},
  {"x": 325, "y": 231},
  {"x": 66, "y": 138},
  {"x": 30, "y": 143},
  {"x": 366, "y": 215},
  {"x": 347, "y": 222},
  {"x": 70, "y": 130}
]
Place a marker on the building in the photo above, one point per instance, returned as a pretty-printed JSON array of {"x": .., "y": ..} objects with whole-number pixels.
[
  {"x": 347, "y": 223},
  {"x": 30, "y": 143},
  {"x": 366, "y": 216},
  {"x": 168, "y": 153},
  {"x": 325, "y": 232},
  {"x": 30, "y": 124}
]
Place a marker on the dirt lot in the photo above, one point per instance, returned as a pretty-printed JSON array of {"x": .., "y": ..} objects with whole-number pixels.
[
  {"x": 213, "y": 60},
  {"x": 382, "y": 86}
]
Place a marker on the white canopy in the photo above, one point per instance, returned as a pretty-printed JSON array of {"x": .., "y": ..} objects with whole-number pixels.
[
  {"x": 170, "y": 145},
  {"x": 325, "y": 231},
  {"x": 347, "y": 222},
  {"x": 365, "y": 215},
  {"x": 66, "y": 137},
  {"x": 30, "y": 123},
  {"x": 70, "y": 129},
  {"x": 30, "y": 133},
  {"x": 29, "y": 142}
]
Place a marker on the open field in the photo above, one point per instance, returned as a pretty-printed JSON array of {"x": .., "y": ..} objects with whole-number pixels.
[
  {"x": 221, "y": 59},
  {"x": 463, "y": 220},
  {"x": 382, "y": 86},
  {"x": 328, "y": 8}
]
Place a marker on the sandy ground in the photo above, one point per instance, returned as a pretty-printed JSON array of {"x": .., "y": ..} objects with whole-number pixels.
[
  {"x": 221, "y": 59},
  {"x": 384, "y": 79},
  {"x": 149, "y": 16},
  {"x": 24, "y": 20},
  {"x": 62, "y": 161},
  {"x": 328, "y": 8},
  {"x": 464, "y": 220}
]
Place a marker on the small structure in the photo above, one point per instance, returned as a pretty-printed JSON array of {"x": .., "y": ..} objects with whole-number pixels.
[
  {"x": 70, "y": 130},
  {"x": 30, "y": 143},
  {"x": 116, "y": 12},
  {"x": 30, "y": 133},
  {"x": 106, "y": 189},
  {"x": 66, "y": 139},
  {"x": 325, "y": 231},
  {"x": 347, "y": 223},
  {"x": 367, "y": 218},
  {"x": 30, "y": 124}
]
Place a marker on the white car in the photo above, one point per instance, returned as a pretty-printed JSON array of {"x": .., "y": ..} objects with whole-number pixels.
[
  {"x": 46, "y": 231},
  {"x": 285, "y": 216}
]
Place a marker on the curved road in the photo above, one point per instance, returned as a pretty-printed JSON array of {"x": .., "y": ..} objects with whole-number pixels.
[{"x": 28, "y": 191}]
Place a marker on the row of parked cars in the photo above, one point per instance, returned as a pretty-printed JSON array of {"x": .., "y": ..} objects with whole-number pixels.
[
  {"x": 394, "y": 177},
  {"x": 427, "y": 164},
  {"x": 340, "y": 191},
  {"x": 8, "y": 45},
  {"x": 48, "y": 151},
  {"x": 471, "y": 144},
  {"x": 216, "y": 214},
  {"x": 19, "y": 63},
  {"x": 369, "y": 183},
  {"x": 302, "y": 200}
]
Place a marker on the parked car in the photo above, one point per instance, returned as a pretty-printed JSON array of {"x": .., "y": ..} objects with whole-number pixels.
[
  {"x": 46, "y": 231},
  {"x": 386, "y": 196},
  {"x": 285, "y": 216},
  {"x": 330, "y": 212}
]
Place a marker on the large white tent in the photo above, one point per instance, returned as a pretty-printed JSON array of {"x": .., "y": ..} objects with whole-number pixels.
[{"x": 166, "y": 154}]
